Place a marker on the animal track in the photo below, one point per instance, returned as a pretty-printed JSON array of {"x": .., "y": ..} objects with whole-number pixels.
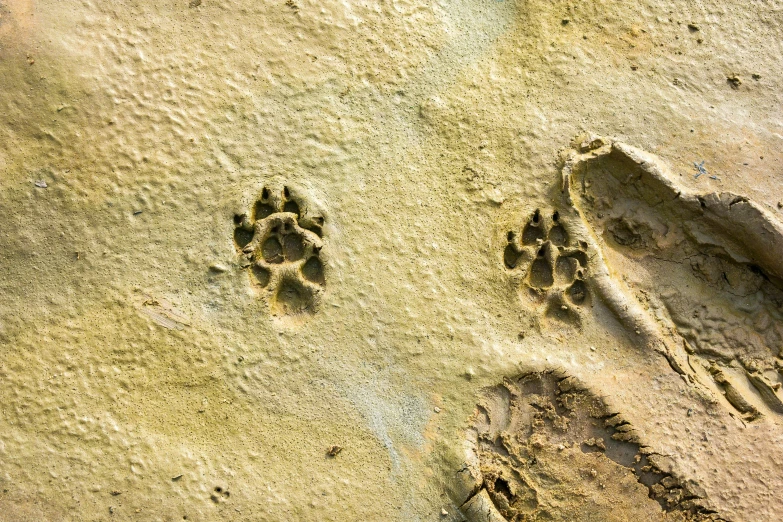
[
  {"x": 709, "y": 265},
  {"x": 543, "y": 447},
  {"x": 219, "y": 495},
  {"x": 281, "y": 245},
  {"x": 544, "y": 260}
]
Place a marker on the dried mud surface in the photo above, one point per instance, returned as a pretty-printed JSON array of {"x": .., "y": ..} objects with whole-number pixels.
[{"x": 298, "y": 260}]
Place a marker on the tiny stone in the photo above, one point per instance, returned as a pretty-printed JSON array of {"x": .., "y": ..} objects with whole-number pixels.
[
  {"x": 638, "y": 332},
  {"x": 437, "y": 410},
  {"x": 217, "y": 267},
  {"x": 565, "y": 21},
  {"x": 443, "y": 513},
  {"x": 693, "y": 27},
  {"x": 755, "y": 76},
  {"x": 41, "y": 184}
]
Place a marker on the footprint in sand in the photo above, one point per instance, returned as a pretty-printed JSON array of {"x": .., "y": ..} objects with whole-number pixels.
[
  {"x": 703, "y": 268},
  {"x": 544, "y": 447}
]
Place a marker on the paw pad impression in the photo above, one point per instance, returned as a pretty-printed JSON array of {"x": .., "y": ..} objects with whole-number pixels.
[
  {"x": 281, "y": 246},
  {"x": 549, "y": 264}
]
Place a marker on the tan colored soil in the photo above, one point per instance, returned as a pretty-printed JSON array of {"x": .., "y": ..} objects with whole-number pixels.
[{"x": 155, "y": 364}]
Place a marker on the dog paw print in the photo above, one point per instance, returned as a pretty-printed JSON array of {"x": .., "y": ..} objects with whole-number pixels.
[
  {"x": 549, "y": 265},
  {"x": 281, "y": 245}
]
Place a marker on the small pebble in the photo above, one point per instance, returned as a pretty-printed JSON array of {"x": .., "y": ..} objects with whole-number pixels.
[
  {"x": 437, "y": 410},
  {"x": 41, "y": 184},
  {"x": 443, "y": 513},
  {"x": 217, "y": 267}
]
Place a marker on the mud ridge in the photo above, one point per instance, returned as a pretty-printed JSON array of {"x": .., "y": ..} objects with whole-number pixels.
[{"x": 707, "y": 266}]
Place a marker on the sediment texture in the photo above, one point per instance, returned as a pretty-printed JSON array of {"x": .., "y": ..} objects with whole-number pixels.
[{"x": 262, "y": 260}]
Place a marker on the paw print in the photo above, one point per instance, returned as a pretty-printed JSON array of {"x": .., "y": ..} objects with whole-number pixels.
[
  {"x": 545, "y": 261},
  {"x": 281, "y": 245}
]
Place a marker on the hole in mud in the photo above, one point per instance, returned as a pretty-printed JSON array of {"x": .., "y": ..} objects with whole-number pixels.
[
  {"x": 293, "y": 247},
  {"x": 580, "y": 257},
  {"x": 510, "y": 236},
  {"x": 242, "y": 237},
  {"x": 317, "y": 230},
  {"x": 577, "y": 292},
  {"x": 292, "y": 207},
  {"x": 541, "y": 274},
  {"x": 272, "y": 250},
  {"x": 501, "y": 486},
  {"x": 536, "y": 216},
  {"x": 261, "y": 275},
  {"x": 511, "y": 256},
  {"x": 265, "y": 193},
  {"x": 238, "y": 218},
  {"x": 313, "y": 270},
  {"x": 556, "y": 310},
  {"x": 533, "y": 231},
  {"x": 555, "y": 216},
  {"x": 286, "y": 192},
  {"x": 565, "y": 268},
  {"x": 292, "y": 296},
  {"x": 263, "y": 210},
  {"x": 558, "y": 235}
]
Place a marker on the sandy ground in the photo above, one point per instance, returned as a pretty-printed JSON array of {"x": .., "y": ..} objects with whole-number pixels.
[{"x": 146, "y": 375}]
